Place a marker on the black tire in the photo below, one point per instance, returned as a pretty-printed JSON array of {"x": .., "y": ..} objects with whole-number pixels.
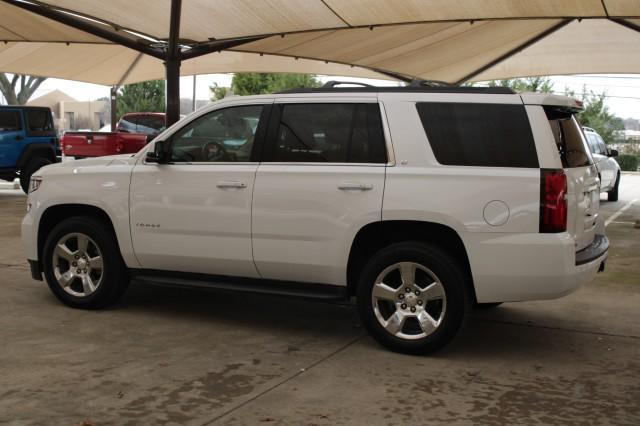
[
  {"x": 485, "y": 306},
  {"x": 453, "y": 279},
  {"x": 32, "y": 166},
  {"x": 613, "y": 194},
  {"x": 114, "y": 279}
]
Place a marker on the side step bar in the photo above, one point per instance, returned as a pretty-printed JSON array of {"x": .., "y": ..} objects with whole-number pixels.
[{"x": 235, "y": 284}]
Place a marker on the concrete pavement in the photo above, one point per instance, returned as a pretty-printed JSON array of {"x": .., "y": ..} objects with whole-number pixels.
[{"x": 184, "y": 356}]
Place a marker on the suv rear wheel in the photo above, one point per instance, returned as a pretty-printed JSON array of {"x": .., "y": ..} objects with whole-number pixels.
[
  {"x": 82, "y": 264},
  {"x": 413, "y": 297},
  {"x": 32, "y": 166}
]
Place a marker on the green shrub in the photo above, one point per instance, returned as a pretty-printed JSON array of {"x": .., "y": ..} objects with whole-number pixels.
[{"x": 628, "y": 162}]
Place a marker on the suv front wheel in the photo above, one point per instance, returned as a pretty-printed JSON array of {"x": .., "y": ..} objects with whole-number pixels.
[
  {"x": 82, "y": 264},
  {"x": 413, "y": 297}
]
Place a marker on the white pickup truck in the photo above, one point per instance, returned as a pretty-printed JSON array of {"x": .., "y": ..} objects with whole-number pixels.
[{"x": 418, "y": 201}]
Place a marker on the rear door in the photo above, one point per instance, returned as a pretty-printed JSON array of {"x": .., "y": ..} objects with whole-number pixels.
[
  {"x": 320, "y": 181},
  {"x": 11, "y": 137}
]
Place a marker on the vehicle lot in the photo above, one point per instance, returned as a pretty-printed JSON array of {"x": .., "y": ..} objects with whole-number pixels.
[{"x": 173, "y": 356}]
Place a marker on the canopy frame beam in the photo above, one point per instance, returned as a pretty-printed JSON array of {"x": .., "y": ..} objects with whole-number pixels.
[
  {"x": 626, "y": 24},
  {"x": 88, "y": 27},
  {"x": 113, "y": 93},
  {"x": 514, "y": 51}
]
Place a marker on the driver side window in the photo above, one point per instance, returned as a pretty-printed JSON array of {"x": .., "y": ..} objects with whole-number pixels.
[{"x": 225, "y": 135}]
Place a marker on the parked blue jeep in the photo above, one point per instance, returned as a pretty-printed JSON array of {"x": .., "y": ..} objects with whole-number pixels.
[{"x": 28, "y": 141}]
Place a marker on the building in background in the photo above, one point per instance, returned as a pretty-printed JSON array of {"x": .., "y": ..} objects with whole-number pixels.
[
  {"x": 71, "y": 114},
  {"x": 186, "y": 105}
]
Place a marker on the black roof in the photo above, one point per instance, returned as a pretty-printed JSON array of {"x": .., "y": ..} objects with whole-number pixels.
[{"x": 23, "y": 107}]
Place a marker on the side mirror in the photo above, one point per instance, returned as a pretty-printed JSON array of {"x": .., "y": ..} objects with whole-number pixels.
[
  {"x": 159, "y": 154},
  {"x": 613, "y": 153}
]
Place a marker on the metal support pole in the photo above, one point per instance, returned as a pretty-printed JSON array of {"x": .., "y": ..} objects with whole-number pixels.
[
  {"x": 193, "y": 106},
  {"x": 114, "y": 117},
  {"x": 172, "y": 65}
]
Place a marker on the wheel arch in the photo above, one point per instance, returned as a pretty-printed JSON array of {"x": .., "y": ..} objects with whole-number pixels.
[
  {"x": 377, "y": 235},
  {"x": 57, "y": 213},
  {"x": 42, "y": 150}
]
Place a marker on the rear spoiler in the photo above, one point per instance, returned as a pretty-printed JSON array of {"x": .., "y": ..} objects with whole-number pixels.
[{"x": 546, "y": 99}]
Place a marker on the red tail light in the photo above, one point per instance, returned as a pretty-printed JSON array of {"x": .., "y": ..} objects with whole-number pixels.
[{"x": 553, "y": 201}]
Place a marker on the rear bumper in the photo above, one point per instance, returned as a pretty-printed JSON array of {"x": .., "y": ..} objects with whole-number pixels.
[
  {"x": 597, "y": 249},
  {"x": 521, "y": 267}
]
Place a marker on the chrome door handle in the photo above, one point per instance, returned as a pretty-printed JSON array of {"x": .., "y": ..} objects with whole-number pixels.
[
  {"x": 346, "y": 186},
  {"x": 231, "y": 184}
]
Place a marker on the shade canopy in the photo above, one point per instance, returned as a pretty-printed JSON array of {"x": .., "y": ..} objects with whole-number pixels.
[{"x": 452, "y": 41}]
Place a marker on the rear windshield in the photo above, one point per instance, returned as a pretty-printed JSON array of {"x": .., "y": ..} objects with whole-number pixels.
[
  {"x": 145, "y": 124},
  {"x": 569, "y": 138},
  {"x": 150, "y": 124}
]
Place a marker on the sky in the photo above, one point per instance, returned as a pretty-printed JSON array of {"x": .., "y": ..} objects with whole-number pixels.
[{"x": 622, "y": 91}]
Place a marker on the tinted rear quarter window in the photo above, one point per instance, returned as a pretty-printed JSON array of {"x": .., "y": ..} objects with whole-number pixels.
[
  {"x": 331, "y": 133},
  {"x": 9, "y": 121},
  {"x": 486, "y": 135},
  {"x": 39, "y": 122}
]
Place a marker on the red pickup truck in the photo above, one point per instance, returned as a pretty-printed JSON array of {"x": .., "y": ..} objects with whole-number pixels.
[{"x": 133, "y": 131}]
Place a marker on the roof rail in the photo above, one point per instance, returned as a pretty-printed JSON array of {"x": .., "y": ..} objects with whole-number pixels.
[
  {"x": 333, "y": 83},
  {"x": 417, "y": 82},
  {"x": 418, "y": 86},
  {"x": 588, "y": 129}
]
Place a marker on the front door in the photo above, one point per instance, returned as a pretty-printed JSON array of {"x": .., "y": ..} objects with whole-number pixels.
[
  {"x": 320, "y": 181},
  {"x": 194, "y": 214}
]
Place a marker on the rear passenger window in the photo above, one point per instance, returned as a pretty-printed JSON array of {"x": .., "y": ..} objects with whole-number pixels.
[
  {"x": 39, "y": 122},
  {"x": 489, "y": 135},
  {"x": 592, "y": 142},
  {"x": 329, "y": 133}
]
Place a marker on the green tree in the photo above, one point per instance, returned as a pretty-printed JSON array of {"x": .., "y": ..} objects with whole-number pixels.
[
  {"x": 218, "y": 92},
  {"x": 147, "y": 96},
  {"x": 19, "y": 89},
  {"x": 528, "y": 84},
  {"x": 260, "y": 83},
  {"x": 596, "y": 115}
]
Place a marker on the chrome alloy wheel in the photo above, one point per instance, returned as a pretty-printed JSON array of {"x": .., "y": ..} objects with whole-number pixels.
[
  {"x": 77, "y": 264},
  {"x": 408, "y": 300}
]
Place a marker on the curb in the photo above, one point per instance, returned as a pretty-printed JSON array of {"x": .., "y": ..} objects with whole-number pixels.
[{"x": 10, "y": 185}]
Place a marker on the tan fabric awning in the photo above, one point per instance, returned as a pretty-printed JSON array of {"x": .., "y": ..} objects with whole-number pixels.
[{"x": 444, "y": 40}]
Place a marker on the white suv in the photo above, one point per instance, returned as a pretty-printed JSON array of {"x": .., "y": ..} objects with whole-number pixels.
[
  {"x": 418, "y": 201},
  {"x": 604, "y": 159}
]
